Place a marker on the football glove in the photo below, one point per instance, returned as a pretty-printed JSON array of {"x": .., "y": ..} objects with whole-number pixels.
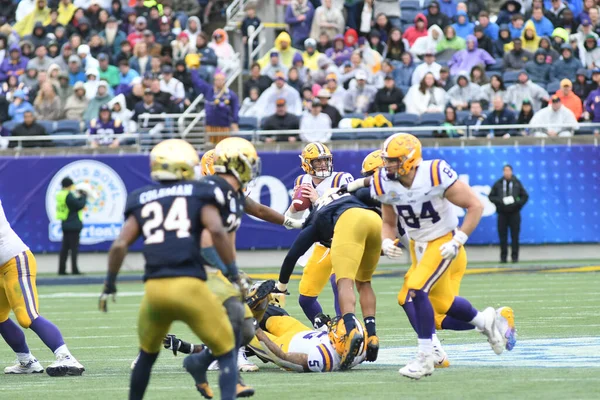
[
  {"x": 449, "y": 250},
  {"x": 109, "y": 289},
  {"x": 171, "y": 342},
  {"x": 390, "y": 248},
  {"x": 292, "y": 223},
  {"x": 321, "y": 320}
]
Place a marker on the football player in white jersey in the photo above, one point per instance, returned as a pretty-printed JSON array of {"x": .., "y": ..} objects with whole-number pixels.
[
  {"x": 18, "y": 292},
  {"x": 288, "y": 343},
  {"x": 317, "y": 162},
  {"x": 421, "y": 193}
]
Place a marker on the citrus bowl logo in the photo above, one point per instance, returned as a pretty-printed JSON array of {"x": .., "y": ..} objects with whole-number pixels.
[{"x": 103, "y": 216}]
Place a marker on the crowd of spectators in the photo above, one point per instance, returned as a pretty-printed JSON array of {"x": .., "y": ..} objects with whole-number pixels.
[
  {"x": 107, "y": 62},
  {"x": 449, "y": 58}
]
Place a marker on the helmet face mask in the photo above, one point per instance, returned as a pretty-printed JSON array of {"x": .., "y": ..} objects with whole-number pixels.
[
  {"x": 312, "y": 160},
  {"x": 173, "y": 160}
]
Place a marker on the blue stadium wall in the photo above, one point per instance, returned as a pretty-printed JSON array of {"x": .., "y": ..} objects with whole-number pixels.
[{"x": 563, "y": 184}]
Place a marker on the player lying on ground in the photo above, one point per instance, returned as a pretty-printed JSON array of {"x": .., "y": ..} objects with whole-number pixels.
[
  {"x": 286, "y": 342},
  {"x": 209, "y": 253},
  {"x": 317, "y": 163},
  {"x": 171, "y": 217},
  {"x": 351, "y": 228},
  {"x": 18, "y": 292},
  {"x": 422, "y": 193}
]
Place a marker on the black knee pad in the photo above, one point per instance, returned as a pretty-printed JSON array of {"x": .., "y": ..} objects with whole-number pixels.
[{"x": 272, "y": 311}]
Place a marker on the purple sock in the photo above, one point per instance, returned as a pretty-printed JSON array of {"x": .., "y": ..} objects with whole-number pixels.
[
  {"x": 48, "y": 332},
  {"x": 336, "y": 302},
  {"x": 310, "y": 306},
  {"x": 452, "y": 324},
  {"x": 462, "y": 310},
  {"x": 411, "y": 314},
  {"x": 13, "y": 336},
  {"x": 424, "y": 313}
]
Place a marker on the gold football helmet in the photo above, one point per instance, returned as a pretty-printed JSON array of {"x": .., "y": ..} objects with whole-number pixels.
[
  {"x": 173, "y": 160},
  {"x": 316, "y": 151},
  {"x": 238, "y": 157},
  {"x": 371, "y": 163},
  {"x": 206, "y": 163},
  {"x": 401, "y": 153},
  {"x": 337, "y": 335}
]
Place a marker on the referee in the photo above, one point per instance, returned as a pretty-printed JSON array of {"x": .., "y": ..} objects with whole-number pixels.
[
  {"x": 509, "y": 196},
  {"x": 69, "y": 206}
]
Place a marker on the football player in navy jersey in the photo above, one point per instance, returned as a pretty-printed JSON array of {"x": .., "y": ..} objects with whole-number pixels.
[
  {"x": 351, "y": 227},
  {"x": 104, "y": 128},
  {"x": 171, "y": 217}
]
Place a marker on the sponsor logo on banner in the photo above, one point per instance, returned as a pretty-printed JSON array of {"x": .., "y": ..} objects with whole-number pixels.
[{"x": 102, "y": 216}]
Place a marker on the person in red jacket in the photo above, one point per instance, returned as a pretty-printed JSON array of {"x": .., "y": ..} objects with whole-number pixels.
[{"x": 416, "y": 31}]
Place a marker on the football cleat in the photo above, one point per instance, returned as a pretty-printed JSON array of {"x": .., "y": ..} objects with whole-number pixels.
[
  {"x": 491, "y": 330},
  {"x": 505, "y": 319},
  {"x": 258, "y": 292},
  {"x": 244, "y": 365},
  {"x": 198, "y": 371},
  {"x": 421, "y": 366},
  {"x": 440, "y": 358},
  {"x": 352, "y": 345},
  {"x": 65, "y": 366},
  {"x": 31, "y": 366},
  {"x": 243, "y": 390},
  {"x": 372, "y": 348}
]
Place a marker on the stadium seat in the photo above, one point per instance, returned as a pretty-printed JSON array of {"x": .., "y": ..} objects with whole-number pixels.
[
  {"x": 511, "y": 76},
  {"x": 343, "y": 136},
  {"x": 553, "y": 87},
  {"x": 489, "y": 74},
  {"x": 387, "y": 116},
  {"x": 67, "y": 127},
  {"x": 404, "y": 89},
  {"x": 444, "y": 56},
  {"x": 462, "y": 115},
  {"x": 499, "y": 66},
  {"x": 248, "y": 123},
  {"x": 408, "y": 15},
  {"x": 432, "y": 119},
  {"x": 410, "y": 5},
  {"x": 405, "y": 119},
  {"x": 368, "y": 134}
]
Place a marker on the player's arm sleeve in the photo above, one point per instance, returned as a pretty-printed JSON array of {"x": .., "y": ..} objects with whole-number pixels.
[
  {"x": 305, "y": 239},
  {"x": 320, "y": 359},
  {"x": 444, "y": 174},
  {"x": 346, "y": 178},
  {"x": 364, "y": 195}
]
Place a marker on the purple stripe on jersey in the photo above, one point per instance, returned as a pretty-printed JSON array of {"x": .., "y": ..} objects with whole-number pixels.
[
  {"x": 439, "y": 172},
  {"x": 330, "y": 356},
  {"x": 28, "y": 277},
  {"x": 381, "y": 182},
  {"x": 23, "y": 289},
  {"x": 431, "y": 174},
  {"x": 324, "y": 359},
  {"x": 432, "y": 279}
]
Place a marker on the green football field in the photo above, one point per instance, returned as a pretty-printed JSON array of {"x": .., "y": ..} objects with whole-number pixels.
[{"x": 557, "y": 356}]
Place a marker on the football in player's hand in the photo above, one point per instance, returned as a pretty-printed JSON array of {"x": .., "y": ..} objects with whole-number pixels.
[{"x": 299, "y": 202}]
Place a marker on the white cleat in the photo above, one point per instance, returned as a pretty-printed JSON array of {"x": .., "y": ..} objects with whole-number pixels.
[
  {"x": 440, "y": 358},
  {"x": 244, "y": 365},
  {"x": 65, "y": 366},
  {"x": 31, "y": 366},
  {"x": 492, "y": 331},
  {"x": 505, "y": 319},
  {"x": 214, "y": 366},
  {"x": 421, "y": 366}
]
